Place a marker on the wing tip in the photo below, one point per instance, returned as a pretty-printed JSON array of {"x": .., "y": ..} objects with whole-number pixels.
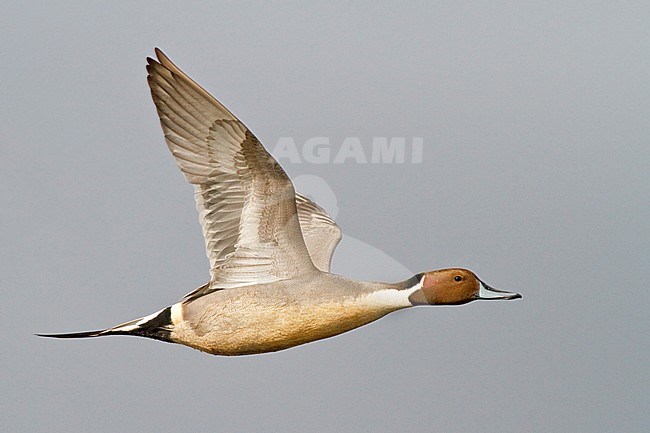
[
  {"x": 160, "y": 54},
  {"x": 165, "y": 61},
  {"x": 160, "y": 60}
]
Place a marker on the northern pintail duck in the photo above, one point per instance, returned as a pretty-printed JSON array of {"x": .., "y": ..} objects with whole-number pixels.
[{"x": 269, "y": 247}]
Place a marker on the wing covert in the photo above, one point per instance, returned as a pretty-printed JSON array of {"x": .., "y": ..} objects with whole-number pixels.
[{"x": 319, "y": 230}]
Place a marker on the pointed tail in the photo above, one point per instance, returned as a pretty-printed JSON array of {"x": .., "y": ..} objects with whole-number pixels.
[
  {"x": 157, "y": 325},
  {"x": 77, "y": 334}
]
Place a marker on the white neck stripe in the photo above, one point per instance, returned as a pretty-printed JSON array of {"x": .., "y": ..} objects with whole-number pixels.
[{"x": 393, "y": 297}]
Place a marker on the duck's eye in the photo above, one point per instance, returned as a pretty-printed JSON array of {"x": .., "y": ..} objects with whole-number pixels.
[{"x": 458, "y": 278}]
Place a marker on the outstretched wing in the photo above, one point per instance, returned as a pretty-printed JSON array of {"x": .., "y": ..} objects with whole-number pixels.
[
  {"x": 245, "y": 200},
  {"x": 319, "y": 230}
]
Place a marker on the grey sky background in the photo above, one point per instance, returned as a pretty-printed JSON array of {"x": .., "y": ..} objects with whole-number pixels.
[{"x": 535, "y": 120}]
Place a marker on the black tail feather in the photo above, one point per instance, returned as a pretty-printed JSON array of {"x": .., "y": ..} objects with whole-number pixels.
[
  {"x": 156, "y": 327},
  {"x": 77, "y": 334}
]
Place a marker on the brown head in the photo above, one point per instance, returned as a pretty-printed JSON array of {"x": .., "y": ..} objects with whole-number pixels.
[{"x": 455, "y": 286}]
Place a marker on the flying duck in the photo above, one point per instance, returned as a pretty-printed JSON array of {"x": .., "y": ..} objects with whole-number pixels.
[{"x": 269, "y": 247}]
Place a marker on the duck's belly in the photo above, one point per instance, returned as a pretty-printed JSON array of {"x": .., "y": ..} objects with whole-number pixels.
[{"x": 245, "y": 326}]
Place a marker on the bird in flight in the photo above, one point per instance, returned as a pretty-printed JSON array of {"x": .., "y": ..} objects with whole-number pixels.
[{"x": 269, "y": 247}]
